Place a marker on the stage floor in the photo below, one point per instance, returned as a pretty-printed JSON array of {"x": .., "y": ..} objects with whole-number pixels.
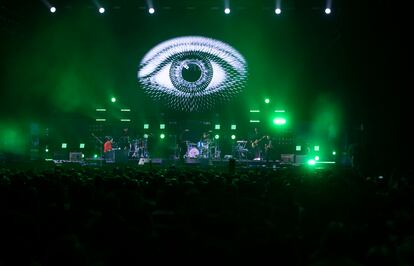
[{"x": 163, "y": 162}]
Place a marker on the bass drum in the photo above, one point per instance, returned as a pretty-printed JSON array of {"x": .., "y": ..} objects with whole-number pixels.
[{"x": 193, "y": 153}]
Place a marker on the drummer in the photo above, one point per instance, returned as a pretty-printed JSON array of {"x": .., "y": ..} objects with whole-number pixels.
[
  {"x": 206, "y": 136},
  {"x": 205, "y": 139},
  {"x": 202, "y": 145}
]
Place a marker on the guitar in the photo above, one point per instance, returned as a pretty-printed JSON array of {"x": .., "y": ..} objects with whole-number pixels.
[{"x": 257, "y": 141}]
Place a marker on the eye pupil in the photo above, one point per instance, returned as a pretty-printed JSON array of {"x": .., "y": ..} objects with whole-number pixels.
[{"x": 191, "y": 72}]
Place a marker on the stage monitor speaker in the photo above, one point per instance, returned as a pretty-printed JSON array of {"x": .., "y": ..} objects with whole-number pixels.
[
  {"x": 75, "y": 156},
  {"x": 192, "y": 161},
  {"x": 287, "y": 158},
  {"x": 156, "y": 160},
  {"x": 300, "y": 159}
]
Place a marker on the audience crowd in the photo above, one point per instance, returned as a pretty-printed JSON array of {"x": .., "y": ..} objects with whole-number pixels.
[{"x": 122, "y": 215}]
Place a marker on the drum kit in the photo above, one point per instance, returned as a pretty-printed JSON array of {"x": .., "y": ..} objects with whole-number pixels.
[
  {"x": 241, "y": 150},
  {"x": 192, "y": 150},
  {"x": 202, "y": 149},
  {"x": 138, "y": 148}
]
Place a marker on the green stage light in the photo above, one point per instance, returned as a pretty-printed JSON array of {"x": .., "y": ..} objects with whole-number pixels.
[
  {"x": 279, "y": 121},
  {"x": 95, "y": 156},
  {"x": 233, "y": 127},
  {"x": 145, "y": 136},
  {"x": 46, "y": 150},
  {"x": 316, "y": 158},
  {"x": 162, "y": 135},
  {"x": 146, "y": 126},
  {"x": 64, "y": 145},
  {"x": 316, "y": 148},
  {"x": 311, "y": 162},
  {"x": 83, "y": 155},
  {"x": 162, "y": 126},
  {"x": 298, "y": 148},
  {"x": 267, "y": 100},
  {"x": 82, "y": 146},
  {"x": 113, "y": 99},
  {"x": 217, "y": 136},
  {"x": 334, "y": 153},
  {"x": 233, "y": 136},
  {"x": 217, "y": 126}
]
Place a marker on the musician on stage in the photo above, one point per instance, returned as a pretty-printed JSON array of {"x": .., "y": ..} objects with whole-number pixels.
[
  {"x": 256, "y": 144},
  {"x": 108, "y": 144},
  {"x": 268, "y": 148},
  {"x": 124, "y": 146},
  {"x": 183, "y": 141},
  {"x": 124, "y": 141},
  {"x": 108, "y": 152},
  {"x": 205, "y": 138},
  {"x": 203, "y": 145}
]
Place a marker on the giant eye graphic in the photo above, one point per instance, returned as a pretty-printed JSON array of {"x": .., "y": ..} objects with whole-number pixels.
[{"x": 192, "y": 73}]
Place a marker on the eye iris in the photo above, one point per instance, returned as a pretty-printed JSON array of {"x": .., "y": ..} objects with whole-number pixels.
[{"x": 191, "y": 73}]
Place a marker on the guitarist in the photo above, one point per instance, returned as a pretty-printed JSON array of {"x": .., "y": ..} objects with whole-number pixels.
[
  {"x": 256, "y": 144},
  {"x": 268, "y": 148}
]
